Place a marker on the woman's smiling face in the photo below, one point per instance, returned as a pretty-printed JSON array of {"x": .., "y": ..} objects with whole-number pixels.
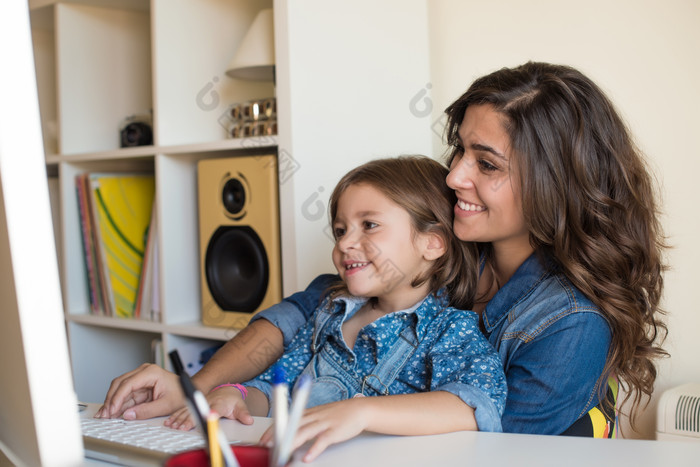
[{"x": 483, "y": 174}]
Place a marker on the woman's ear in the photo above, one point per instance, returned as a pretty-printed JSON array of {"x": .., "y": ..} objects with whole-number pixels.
[{"x": 434, "y": 246}]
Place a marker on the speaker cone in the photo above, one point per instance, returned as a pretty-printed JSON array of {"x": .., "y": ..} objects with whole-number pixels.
[
  {"x": 237, "y": 270},
  {"x": 233, "y": 196}
]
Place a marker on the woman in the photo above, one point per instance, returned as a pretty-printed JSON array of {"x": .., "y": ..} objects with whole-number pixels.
[
  {"x": 576, "y": 239},
  {"x": 562, "y": 207}
]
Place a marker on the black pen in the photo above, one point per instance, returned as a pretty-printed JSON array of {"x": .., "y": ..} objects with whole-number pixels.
[{"x": 199, "y": 407}]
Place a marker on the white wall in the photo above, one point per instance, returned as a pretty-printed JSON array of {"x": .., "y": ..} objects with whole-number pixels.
[
  {"x": 345, "y": 76},
  {"x": 644, "y": 54}
]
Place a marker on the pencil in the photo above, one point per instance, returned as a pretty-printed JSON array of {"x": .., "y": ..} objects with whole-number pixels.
[{"x": 215, "y": 454}]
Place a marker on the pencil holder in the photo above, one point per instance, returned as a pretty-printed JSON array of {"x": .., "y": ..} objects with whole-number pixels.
[{"x": 247, "y": 456}]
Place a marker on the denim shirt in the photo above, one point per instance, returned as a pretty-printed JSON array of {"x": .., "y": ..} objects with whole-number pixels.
[
  {"x": 428, "y": 347},
  {"x": 552, "y": 340}
]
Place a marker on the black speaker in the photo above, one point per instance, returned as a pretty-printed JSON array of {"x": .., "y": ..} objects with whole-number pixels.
[{"x": 239, "y": 238}]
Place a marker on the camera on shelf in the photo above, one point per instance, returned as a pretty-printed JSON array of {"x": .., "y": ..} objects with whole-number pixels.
[
  {"x": 136, "y": 130},
  {"x": 253, "y": 118}
]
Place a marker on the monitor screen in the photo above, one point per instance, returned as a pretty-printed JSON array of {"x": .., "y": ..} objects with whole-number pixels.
[{"x": 39, "y": 422}]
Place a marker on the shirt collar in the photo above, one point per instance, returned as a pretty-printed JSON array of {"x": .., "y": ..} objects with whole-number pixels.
[
  {"x": 525, "y": 280},
  {"x": 424, "y": 311}
]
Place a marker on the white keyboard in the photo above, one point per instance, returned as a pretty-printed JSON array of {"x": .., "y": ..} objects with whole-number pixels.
[{"x": 141, "y": 435}]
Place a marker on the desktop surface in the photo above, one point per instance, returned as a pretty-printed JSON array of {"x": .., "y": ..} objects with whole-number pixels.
[{"x": 478, "y": 449}]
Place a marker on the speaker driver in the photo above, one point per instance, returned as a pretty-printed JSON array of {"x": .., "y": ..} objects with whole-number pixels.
[
  {"x": 237, "y": 270},
  {"x": 233, "y": 195}
]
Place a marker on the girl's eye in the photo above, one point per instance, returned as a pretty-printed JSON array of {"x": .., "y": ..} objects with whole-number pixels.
[
  {"x": 338, "y": 232},
  {"x": 369, "y": 225},
  {"x": 486, "y": 166}
]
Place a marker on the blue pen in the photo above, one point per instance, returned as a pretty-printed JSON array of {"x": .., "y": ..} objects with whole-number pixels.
[
  {"x": 299, "y": 400},
  {"x": 280, "y": 409}
]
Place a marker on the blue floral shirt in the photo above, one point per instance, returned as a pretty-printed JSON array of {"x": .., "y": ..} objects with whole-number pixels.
[
  {"x": 553, "y": 342},
  {"x": 452, "y": 354}
]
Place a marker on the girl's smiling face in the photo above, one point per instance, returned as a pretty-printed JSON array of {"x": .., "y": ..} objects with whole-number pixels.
[
  {"x": 377, "y": 253},
  {"x": 483, "y": 174}
]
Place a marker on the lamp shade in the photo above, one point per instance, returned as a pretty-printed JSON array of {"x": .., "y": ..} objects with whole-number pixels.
[{"x": 255, "y": 57}]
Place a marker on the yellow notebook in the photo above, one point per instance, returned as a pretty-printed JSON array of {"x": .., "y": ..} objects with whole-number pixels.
[{"x": 123, "y": 205}]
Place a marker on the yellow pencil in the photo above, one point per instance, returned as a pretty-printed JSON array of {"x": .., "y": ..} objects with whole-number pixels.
[{"x": 215, "y": 455}]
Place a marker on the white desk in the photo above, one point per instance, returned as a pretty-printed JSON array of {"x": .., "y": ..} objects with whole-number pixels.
[
  {"x": 501, "y": 449},
  {"x": 482, "y": 449}
]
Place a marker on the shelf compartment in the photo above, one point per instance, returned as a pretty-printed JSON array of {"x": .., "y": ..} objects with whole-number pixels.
[
  {"x": 103, "y": 60},
  {"x": 99, "y": 353},
  {"x": 194, "y": 41},
  {"x": 178, "y": 232},
  {"x": 75, "y": 292}
]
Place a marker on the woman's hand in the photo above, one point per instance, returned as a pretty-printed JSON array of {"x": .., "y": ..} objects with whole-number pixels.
[
  {"x": 227, "y": 402},
  {"x": 146, "y": 392},
  {"x": 328, "y": 424}
]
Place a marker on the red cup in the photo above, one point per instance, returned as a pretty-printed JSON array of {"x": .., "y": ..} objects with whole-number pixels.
[{"x": 247, "y": 456}]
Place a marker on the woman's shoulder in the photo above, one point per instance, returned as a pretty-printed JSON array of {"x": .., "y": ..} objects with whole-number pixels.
[{"x": 554, "y": 304}]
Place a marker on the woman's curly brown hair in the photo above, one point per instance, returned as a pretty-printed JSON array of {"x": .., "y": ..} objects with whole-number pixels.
[{"x": 589, "y": 203}]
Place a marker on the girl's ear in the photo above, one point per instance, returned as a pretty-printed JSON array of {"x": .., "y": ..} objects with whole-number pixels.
[{"x": 434, "y": 246}]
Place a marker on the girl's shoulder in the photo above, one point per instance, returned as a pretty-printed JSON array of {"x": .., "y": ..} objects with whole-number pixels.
[{"x": 451, "y": 319}]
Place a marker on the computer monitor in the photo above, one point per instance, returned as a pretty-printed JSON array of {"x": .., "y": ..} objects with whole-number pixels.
[{"x": 39, "y": 421}]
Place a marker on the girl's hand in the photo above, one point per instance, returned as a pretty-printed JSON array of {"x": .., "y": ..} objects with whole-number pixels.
[
  {"x": 180, "y": 420},
  {"x": 227, "y": 402},
  {"x": 328, "y": 424}
]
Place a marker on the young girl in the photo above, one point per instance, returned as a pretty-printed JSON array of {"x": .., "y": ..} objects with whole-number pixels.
[{"x": 388, "y": 328}]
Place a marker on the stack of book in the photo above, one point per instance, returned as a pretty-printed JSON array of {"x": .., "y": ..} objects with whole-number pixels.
[{"x": 118, "y": 221}]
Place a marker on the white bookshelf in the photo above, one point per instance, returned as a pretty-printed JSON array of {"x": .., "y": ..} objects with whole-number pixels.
[{"x": 345, "y": 75}]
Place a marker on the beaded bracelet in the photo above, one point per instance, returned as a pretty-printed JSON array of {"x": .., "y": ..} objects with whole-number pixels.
[{"x": 244, "y": 391}]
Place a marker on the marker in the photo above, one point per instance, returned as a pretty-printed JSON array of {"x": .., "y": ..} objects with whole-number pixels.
[
  {"x": 299, "y": 400},
  {"x": 280, "y": 409}
]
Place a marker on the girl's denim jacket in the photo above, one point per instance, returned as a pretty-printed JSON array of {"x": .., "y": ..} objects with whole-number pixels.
[
  {"x": 428, "y": 347},
  {"x": 552, "y": 340}
]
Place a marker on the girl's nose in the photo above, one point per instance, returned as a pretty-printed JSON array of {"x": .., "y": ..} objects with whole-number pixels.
[{"x": 347, "y": 241}]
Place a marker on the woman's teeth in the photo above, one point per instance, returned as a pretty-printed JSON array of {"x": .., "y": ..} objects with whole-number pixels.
[{"x": 470, "y": 207}]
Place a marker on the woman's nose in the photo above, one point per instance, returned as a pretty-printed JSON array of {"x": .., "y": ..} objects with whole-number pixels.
[{"x": 460, "y": 176}]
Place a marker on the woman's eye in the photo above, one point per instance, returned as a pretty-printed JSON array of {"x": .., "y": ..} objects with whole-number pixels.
[
  {"x": 486, "y": 166},
  {"x": 457, "y": 153}
]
